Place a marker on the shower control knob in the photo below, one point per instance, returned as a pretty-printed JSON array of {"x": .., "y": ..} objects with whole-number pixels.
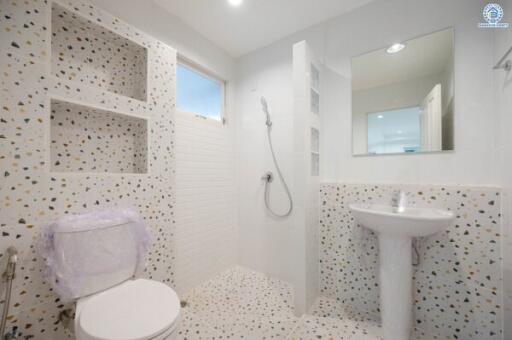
[{"x": 268, "y": 177}]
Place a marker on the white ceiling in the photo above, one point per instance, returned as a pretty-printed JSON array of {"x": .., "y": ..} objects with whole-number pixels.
[
  {"x": 427, "y": 55},
  {"x": 255, "y": 23}
]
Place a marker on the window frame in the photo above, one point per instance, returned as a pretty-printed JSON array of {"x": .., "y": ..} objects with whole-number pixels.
[{"x": 203, "y": 71}]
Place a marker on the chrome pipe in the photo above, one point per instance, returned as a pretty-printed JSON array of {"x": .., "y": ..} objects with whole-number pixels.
[{"x": 8, "y": 277}]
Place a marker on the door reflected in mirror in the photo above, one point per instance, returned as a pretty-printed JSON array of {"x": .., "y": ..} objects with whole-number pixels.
[{"x": 403, "y": 95}]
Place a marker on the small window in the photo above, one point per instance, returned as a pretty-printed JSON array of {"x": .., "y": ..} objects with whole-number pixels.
[{"x": 199, "y": 93}]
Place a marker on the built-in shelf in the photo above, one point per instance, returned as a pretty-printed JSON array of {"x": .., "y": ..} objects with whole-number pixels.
[
  {"x": 315, "y": 101},
  {"x": 90, "y": 54},
  {"x": 315, "y": 78},
  {"x": 91, "y": 140},
  {"x": 315, "y": 164},
  {"x": 315, "y": 140},
  {"x": 315, "y": 152}
]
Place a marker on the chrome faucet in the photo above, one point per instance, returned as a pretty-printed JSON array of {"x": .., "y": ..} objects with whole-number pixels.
[{"x": 398, "y": 201}]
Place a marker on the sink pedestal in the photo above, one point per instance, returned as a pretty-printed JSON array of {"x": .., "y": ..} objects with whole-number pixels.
[
  {"x": 396, "y": 230},
  {"x": 396, "y": 291}
]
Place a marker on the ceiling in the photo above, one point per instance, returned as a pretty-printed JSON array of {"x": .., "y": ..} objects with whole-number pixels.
[
  {"x": 428, "y": 55},
  {"x": 255, "y": 23}
]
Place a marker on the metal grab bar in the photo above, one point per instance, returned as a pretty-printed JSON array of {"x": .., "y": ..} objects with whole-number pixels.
[
  {"x": 8, "y": 277},
  {"x": 502, "y": 64}
]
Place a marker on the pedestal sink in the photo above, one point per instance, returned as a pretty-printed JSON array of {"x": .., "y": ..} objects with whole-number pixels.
[{"x": 395, "y": 231}]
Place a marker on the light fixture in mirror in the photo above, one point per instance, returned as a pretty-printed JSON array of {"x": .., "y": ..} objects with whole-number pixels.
[{"x": 403, "y": 95}]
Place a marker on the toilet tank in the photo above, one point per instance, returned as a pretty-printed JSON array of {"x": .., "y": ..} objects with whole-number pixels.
[{"x": 92, "y": 252}]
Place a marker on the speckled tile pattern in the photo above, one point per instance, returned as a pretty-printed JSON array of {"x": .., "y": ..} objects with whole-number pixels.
[
  {"x": 244, "y": 304},
  {"x": 239, "y": 304},
  {"x": 85, "y": 52},
  {"x": 458, "y": 285},
  {"x": 86, "y": 139},
  {"x": 347, "y": 323},
  {"x": 31, "y": 195}
]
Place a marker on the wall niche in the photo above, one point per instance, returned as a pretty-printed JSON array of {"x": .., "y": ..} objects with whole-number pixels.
[
  {"x": 90, "y": 54},
  {"x": 91, "y": 140}
]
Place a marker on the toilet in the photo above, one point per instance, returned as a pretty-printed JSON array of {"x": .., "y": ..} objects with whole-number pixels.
[{"x": 93, "y": 260}]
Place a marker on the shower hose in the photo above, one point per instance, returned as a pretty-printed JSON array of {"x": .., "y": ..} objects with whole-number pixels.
[{"x": 268, "y": 179}]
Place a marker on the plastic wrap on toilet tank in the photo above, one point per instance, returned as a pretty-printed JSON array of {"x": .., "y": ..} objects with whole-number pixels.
[{"x": 90, "y": 252}]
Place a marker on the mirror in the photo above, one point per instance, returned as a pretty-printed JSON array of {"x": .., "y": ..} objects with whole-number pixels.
[{"x": 402, "y": 97}]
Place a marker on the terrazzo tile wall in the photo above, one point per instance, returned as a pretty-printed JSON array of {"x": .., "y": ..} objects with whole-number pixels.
[
  {"x": 85, "y": 139},
  {"x": 91, "y": 55},
  {"x": 31, "y": 192},
  {"x": 458, "y": 284}
]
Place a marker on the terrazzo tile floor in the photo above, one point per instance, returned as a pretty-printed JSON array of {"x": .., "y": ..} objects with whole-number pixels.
[{"x": 244, "y": 304}]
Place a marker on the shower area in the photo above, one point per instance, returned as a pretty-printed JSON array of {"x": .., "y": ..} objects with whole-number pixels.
[{"x": 279, "y": 234}]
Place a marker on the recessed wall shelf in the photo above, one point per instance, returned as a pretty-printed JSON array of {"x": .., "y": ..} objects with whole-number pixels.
[
  {"x": 90, "y": 54},
  {"x": 315, "y": 164},
  {"x": 315, "y": 152},
  {"x": 315, "y": 78},
  {"x": 91, "y": 140},
  {"x": 315, "y": 102},
  {"x": 315, "y": 140}
]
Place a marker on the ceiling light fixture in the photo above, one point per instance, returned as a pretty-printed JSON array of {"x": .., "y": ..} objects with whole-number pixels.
[
  {"x": 395, "y": 48},
  {"x": 235, "y": 2}
]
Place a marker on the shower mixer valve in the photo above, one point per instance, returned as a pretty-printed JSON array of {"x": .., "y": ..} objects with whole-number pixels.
[{"x": 268, "y": 177}]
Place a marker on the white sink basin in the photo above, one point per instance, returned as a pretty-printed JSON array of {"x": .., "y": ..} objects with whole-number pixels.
[
  {"x": 412, "y": 222},
  {"x": 396, "y": 230}
]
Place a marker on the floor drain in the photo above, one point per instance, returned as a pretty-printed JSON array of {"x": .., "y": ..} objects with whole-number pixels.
[{"x": 183, "y": 304}]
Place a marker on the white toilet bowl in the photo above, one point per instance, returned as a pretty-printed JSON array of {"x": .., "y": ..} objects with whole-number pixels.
[
  {"x": 134, "y": 310},
  {"x": 94, "y": 258}
]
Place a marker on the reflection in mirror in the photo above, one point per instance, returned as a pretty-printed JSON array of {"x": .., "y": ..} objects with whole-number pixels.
[{"x": 402, "y": 97}]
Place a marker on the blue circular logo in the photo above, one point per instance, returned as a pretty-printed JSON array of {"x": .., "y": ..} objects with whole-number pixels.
[{"x": 493, "y": 13}]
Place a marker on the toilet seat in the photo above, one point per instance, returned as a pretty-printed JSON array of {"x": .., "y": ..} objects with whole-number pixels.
[{"x": 135, "y": 310}]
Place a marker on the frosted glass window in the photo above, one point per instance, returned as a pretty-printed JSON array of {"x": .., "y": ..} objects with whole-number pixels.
[
  {"x": 394, "y": 131},
  {"x": 199, "y": 94}
]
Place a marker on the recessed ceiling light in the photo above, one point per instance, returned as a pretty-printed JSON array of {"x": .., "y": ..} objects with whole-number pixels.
[
  {"x": 235, "y": 2},
  {"x": 395, "y": 48},
  {"x": 380, "y": 116}
]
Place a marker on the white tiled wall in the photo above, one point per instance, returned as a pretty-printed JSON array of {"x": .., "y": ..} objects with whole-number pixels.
[{"x": 206, "y": 200}]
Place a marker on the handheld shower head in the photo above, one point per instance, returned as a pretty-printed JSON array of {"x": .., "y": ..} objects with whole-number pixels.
[{"x": 264, "y": 106}]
